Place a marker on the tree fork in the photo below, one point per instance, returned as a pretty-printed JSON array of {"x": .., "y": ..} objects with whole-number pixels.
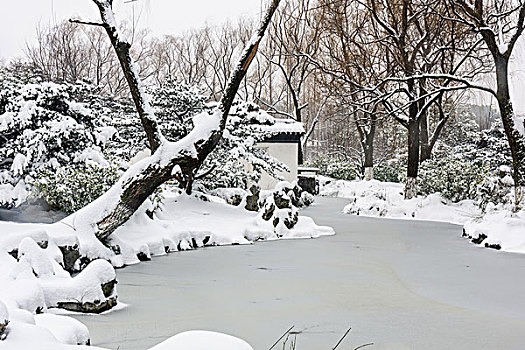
[{"x": 142, "y": 179}]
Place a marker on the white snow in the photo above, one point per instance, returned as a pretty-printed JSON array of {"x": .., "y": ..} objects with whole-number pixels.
[
  {"x": 282, "y": 126},
  {"x": 37, "y": 281},
  {"x": 4, "y": 314},
  {"x": 67, "y": 330},
  {"x": 202, "y": 340},
  {"x": 187, "y": 221},
  {"x": 384, "y": 199}
]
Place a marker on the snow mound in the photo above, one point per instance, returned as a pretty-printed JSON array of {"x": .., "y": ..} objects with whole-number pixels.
[
  {"x": 202, "y": 340},
  {"x": 66, "y": 330},
  {"x": 385, "y": 199}
]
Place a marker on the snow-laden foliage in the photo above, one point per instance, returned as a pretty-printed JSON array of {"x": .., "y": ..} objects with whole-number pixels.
[
  {"x": 175, "y": 105},
  {"x": 469, "y": 166},
  {"x": 393, "y": 170},
  {"x": 44, "y": 124},
  {"x": 237, "y": 149},
  {"x": 73, "y": 187},
  {"x": 335, "y": 168},
  {"x": 453, "y": 177}
]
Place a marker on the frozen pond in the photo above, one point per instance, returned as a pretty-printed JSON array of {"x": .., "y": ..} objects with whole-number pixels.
[{"x": 398, "y": 284}]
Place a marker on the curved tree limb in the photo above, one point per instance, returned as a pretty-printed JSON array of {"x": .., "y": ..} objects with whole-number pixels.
[{"x": 117, "y": 205}]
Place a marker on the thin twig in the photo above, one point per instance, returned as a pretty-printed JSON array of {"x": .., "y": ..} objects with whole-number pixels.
[
  {"x": 282, "y": 336},
  {"x": 362, "y": 346},
  {"x": 343, "y": 337}
]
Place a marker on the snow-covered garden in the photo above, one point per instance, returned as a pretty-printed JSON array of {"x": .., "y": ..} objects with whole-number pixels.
[{"x": 118, "y": 146}]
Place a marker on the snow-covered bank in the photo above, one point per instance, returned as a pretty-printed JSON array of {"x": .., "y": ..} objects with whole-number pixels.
[
  {"x": 495, "y": 228},
  {"x": 36, "y": 261}
]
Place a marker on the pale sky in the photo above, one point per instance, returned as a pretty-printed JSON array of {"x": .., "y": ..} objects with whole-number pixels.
[{"x": 19, "y": 18}]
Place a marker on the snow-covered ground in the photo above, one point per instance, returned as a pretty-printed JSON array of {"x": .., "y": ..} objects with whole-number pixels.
[
  {"x": 34, "y": 264},
  {"x": 495, "y": 228}
]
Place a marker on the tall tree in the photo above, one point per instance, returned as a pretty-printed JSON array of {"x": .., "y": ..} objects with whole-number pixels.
[
  {"x": 169, "y": 159},
  {"x": 500, "y": 23}
]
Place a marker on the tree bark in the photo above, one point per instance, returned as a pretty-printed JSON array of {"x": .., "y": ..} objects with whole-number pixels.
[
  {"x": 118, "y": 204},
  {"x": 515, "y": 138},
  {"x": 425, "y": 150},
  {"x": 413, "y": 152},
  {"x": 368, "y": 149}
]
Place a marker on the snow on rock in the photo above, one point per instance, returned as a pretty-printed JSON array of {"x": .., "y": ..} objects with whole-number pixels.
[
  {"x": 188, "y": 222},
  {"x": 23, "y": 335},
  {"x": 4, "y": 320},
  {"x": 66, "y": 330},
  {"x": 202, "y": 340},
  {"x": 501, "y": 229},
  {"x": 85, "y": 292},
  {"x": 494, "y": 228},
  {"x": 233, "y": 196}
]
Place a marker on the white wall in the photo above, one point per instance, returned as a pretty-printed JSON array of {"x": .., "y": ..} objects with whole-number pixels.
[{"x": 286, "y": 153}]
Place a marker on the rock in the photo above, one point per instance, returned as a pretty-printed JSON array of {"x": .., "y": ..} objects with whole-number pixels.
[
  {"x": 291, "y": 220},
  {"x": 83, "y": 262},
  {"x": 481, "y": 237},
  {"x": 70, "y": 255},
  {"x": 268, "y": 210},
  {"x": 235, "y": 200},
  {"x": 4, "y": 321},
  {"x": 252, "y": 200},
  {"x": 307, "y": 198},
  {"x": 3, "y": 329},
  {"x": 309, "y": 184},
  {"x": 493, "y": 246},
  {"x": 282, "y": 200},
  {"x": 89, "y": 307},
  {"x": 143, "y": 256},
  {"x": 108, "y": 288}
]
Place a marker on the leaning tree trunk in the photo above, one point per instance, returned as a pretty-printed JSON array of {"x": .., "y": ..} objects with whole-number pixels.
[
  {"x": 515, "y": 138},
  {"x": 169, "y": 159}
]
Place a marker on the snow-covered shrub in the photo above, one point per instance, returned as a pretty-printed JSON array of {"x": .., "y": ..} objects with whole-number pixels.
[
  {"x": 237, "y": 149},
  {"x": 44, "y": 124},
  {"x": 176, "y": 104},
  {"x": 335, "y": 168},
  {"x": 70, "y": 188},
  {"x": 391, "y": 171},
  {"x": 456, "y": 179},
  {"x": 472, "y": 165},
  {"x": 496, "y": 189}
]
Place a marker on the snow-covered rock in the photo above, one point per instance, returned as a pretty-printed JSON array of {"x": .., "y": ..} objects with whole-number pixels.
[
  {"x": 202, "y": 340},
  {"x": 67, "y": 330}
]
